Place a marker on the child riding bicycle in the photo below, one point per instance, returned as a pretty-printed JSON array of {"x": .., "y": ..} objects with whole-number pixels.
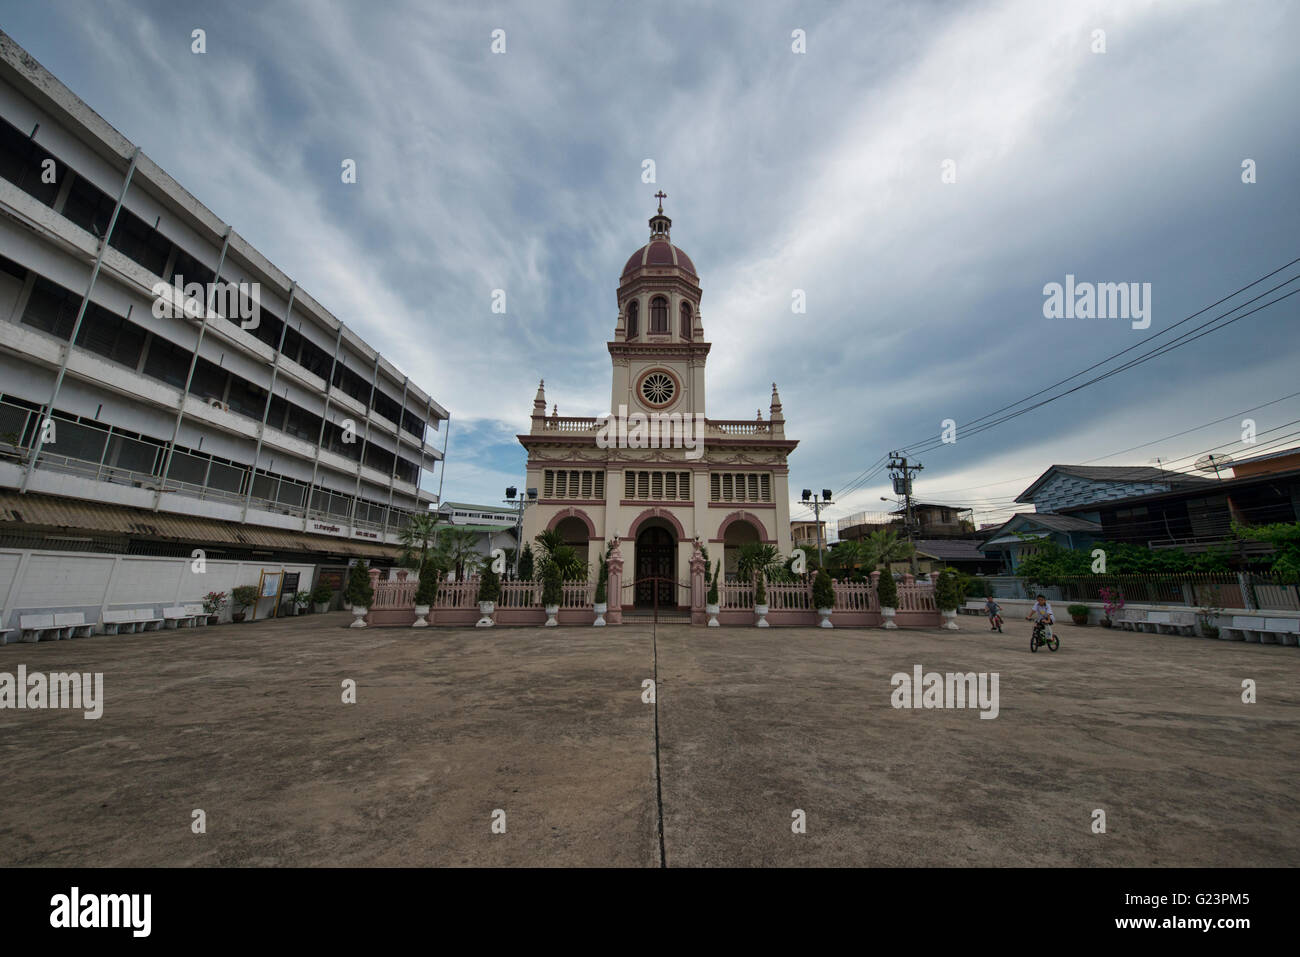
[
  {"x": 994, "y": 612},
  {"x": 1042, "y": 608}
]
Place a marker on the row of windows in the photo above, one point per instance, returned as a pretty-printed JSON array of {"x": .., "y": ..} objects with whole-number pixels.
[
  {"x": 53, "y": 309},
  {"x": 658, "y": 318},
  {"x": 22, "y": 162},
  {"x": 740, "y": 487},
  {"x": 118, "y": 449},
  {"x": 573, "y": 483},
  {"x": 657, "y": 486}
]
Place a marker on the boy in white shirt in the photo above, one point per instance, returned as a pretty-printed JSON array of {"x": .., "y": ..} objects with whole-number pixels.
[{"x": 1043, "y": 609}]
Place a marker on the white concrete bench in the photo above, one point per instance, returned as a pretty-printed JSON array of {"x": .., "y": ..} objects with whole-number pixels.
[
  {"x": 40, "y": 628},
  {"x": 4, "y": 635},
  {"x": 972, "y": 607},
  {"x": 1267, "y": 631},
  {"x": 178, "y": 616},
  {"x": 1158, "y": 622},
  {"x": 131, "y": 620},
  {"x": 197, "y": 611},
  {"x": 75, "y": 624}
]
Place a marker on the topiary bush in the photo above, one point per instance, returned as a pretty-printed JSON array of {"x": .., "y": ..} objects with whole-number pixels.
[
  {"x": 359, "y": 592},
  {"x": 823, "y": 594},
  {"x": 489, "y": 584},
  {"x": 426, "y": 592},
  {"x": 712, "y": 598},
  {"x": 552, "y": 585},
  {"x": 947, "y": 592},
  {"x": 887, "y": 590},
  {"x": 760, "y": 591}
]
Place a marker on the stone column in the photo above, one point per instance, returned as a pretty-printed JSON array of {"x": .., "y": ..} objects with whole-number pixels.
[
  {"x": 614, "y": 587},
  {"x": 698, "y": 568}
]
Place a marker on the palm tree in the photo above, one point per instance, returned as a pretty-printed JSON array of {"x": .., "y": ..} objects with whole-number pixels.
[
  {"x": 845, "y": 557},
  {"x": 456, "y": 547},
  {"x": 884, "y": 547},
  {"x": 417, "y": 537},
  {"x": 552, "y": 550},
  {"x": 757, "y": 557}
]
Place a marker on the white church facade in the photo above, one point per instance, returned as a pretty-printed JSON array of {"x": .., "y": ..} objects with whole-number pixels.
[{"x": 662, "y": 473}]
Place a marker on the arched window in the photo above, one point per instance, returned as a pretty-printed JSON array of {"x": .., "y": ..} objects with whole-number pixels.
[
  {"x": 686, "y": 320},
  {"x": 659, "y": 315},
  {"x": 632, "y": 310}
]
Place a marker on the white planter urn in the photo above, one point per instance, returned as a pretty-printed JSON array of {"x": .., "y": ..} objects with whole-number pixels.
[
  {"x": 600, "y": 607},
  {"x": 359, "y": 616},
  {"x": 889, "y": 617},
  {"x": 322, "y": 607},
  {"x": 486, "y": 608},
  {"x": 950, "y": 619},
  {"x": 761, "y": 612},
  {"x": 421, "y": 613},
  {"x": 551, "y": 612},
  {"x": 712, "y": 612},
  {"x": 826, "y": 618}
]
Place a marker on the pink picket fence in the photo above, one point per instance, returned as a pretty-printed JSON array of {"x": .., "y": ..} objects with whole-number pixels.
[{"x": 520, "y": 603}]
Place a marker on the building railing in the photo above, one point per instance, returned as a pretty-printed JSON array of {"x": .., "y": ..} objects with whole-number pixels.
[
  {"x": 738, "y": 426},
  {"x": 96, "y": 447}
]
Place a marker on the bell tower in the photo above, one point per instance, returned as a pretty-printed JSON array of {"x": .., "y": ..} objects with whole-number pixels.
[{"x": 658, "y": 350}]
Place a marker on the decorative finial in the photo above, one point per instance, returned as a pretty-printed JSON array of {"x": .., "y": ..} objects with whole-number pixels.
[{"x": 661, "y": 196}]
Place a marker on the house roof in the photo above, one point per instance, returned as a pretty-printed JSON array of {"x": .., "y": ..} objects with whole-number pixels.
[
  {"x": 1048, "y": 520},
  {"x": 1285, "y": 453},
  {"x": 950, "y": 549},
  {"x": 1224, "y": 485},
  {"x": 1116, "y": 473}
]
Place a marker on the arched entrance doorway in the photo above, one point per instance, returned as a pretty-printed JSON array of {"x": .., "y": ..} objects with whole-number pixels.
[
  {"x": 738, "y": 534},
  {"x": 656, "y": 567}
]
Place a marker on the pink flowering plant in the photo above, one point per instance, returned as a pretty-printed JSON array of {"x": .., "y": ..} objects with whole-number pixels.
[{"x": 1112, "y": 600}]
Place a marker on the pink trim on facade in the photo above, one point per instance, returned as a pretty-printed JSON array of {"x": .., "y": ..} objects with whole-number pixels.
[
  {"x": 746, "y": 504},
  {"x": 657, "y": 502},
  {"x": 743, "y": 516},
  {"x": 655, "y": 513},
  {"x": 558, "y": 517}
]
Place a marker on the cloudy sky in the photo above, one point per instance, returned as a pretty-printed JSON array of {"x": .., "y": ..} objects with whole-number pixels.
[{"x": 821, "y": 171}]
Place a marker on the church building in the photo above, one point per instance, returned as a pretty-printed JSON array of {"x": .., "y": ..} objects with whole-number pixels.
[{"x": 723, "y": 481}]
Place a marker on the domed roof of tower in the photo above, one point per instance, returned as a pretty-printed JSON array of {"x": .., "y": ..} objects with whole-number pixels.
[{"x": 660, "y": 251}]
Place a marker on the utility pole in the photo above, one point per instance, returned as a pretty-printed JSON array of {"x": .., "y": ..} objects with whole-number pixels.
[
  {"x": 519, "y": 503},
  {"x": 816, "y": 504},
  {"x": 901, "y": 473}
]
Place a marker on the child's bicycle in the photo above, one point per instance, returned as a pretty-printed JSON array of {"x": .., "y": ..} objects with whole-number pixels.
[
  {"x": 1037, "y": 638},
  {"x": 995, "y": 623}
]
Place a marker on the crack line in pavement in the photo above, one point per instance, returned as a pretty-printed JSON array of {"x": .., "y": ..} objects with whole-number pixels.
[{"x": 659, "y": 787}]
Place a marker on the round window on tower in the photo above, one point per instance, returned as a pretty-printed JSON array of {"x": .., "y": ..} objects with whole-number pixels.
[{"x": 658, "y": 388}]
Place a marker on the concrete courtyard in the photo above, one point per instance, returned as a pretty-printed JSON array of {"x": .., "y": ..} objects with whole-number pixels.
[{"x": 247, "y": 723}]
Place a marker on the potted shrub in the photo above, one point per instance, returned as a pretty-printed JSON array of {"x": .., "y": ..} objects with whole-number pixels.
[
  {"x": 823, "y": 596},
  {"x": 1111, "y": 604},
  {"x": 244, "y": 596},
  {"x": 1078, "y": 614},
  {"x": 552, "y": 592},
  {"x": 760, "y": 601},
  {"x": 426, "y": 592},
  {"x": 213, "y": 603},
  {"x": 489, "y": 590},
  {"x": 359, "y": 593},
  {"x": 887, "y": 594},
  {"x": 711, "y": 602},
  {"x": 321, "y": 596},
  {"x": 300, "y": 601},
  {"x": 947, "y": 596},
  {"x": 601, "y": 599}
]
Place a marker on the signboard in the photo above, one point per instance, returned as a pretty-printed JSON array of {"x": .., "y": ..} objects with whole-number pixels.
[
  {"x": 287, "y": 591},
  {"x": 334, "y": 576},
  {"x": 325, "y": 528},
  {"x": 268, "y": 586}
]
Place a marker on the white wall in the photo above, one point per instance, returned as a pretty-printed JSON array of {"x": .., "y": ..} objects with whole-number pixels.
[{"x": 45, "y": 582}]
